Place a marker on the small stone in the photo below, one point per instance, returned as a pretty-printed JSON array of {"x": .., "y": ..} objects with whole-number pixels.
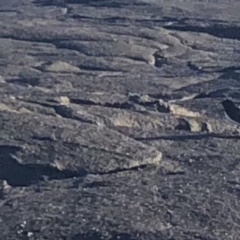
[
  {"x": 178, "y": 110},
  {"x": 61, "y": 67},
  {"x": 64, "y": 101}
]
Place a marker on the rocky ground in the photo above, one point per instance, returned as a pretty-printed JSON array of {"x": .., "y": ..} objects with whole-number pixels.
[{"x": 111, "y": 125}]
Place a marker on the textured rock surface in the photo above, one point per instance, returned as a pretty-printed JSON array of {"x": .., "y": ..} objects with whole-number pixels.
[{"x": 111, "y": 125}]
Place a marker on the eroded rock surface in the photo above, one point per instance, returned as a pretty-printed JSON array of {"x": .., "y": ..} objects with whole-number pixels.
[{"x": 111, "y": 125}]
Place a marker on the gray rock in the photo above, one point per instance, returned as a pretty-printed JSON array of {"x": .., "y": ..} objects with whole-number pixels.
[{"x": 111, "y": 125}]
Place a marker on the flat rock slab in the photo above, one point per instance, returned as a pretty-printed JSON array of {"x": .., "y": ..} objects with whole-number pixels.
[{"x": 78, "y": 147}]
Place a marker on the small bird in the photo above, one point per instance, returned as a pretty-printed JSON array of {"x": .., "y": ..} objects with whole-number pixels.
[{"x": 232, "y": 112}]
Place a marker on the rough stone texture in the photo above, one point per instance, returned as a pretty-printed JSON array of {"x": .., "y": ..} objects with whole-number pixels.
[{"x": 111, "y": 125}]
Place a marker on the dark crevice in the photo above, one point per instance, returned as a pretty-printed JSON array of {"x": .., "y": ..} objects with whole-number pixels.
[
  {"x": 183, "y": 125},
  {"x": 159, "y": 60},
  {"x": 17, "y": 174},
  {"x": 2, "y": 197},
  {"x": 95, "y": 68},
  {"x": 122, "y": 105},
  {"x": 188, "y": 137},
  {"x": 25, "y": 81},
  {"x": 227, "y": 71},
  {"x": 78, "y": 16},
  {"x": 8, "y": 11},
  {"x": 59, "y": 3},
  {"x": 119, "y": 170},
  {"x": 21, "y": 36},
  {"x": 117, "y": 20},
  {"x": 217, "y": 30},
  {"x": 93, "y": 3},
  {"x": 43, "y": 138},
  {"x": 219, "y": 94},
  {"x": 230, "y": 72},
  {"x": 67, "y": 112},
  {"x": 61, "y": 110},
  {"x": 8, "y": 149},
  {"x": 83, "y": 101},
  {"x": 214, "y": 94},
  {"x": 69, "y": 45},
  {"x": 135, "y": 103},
  {"x": 228, "y": 82},
  {"x": 151, "y": 104}
]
